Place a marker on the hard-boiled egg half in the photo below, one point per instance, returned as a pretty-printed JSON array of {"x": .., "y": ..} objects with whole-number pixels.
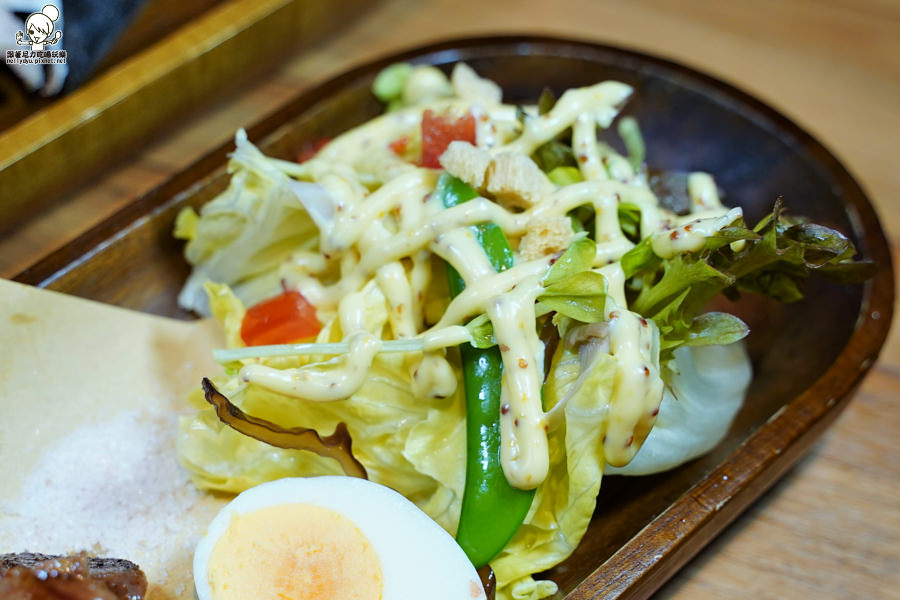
[{"x": 329, "y": 538}]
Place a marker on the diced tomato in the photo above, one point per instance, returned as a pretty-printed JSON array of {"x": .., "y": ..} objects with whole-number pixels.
[
  {"x": 282, "y": 319},
  {"x": 309, "y": 149},
  {"x": 399, "y": 145},
  {"x": 439, "y": 130}
]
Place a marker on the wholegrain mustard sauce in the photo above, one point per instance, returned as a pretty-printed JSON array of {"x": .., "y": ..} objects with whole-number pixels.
[{"x": 385, "y": 225}]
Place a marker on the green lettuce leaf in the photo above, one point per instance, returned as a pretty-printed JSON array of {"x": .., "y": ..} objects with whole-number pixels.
[
  {"x": 482, "y": 331},
  {"x": 553, "y": 155},
  {"x": 581, "y": 296},
  {"x": 715, "y": 329},
  {"x": 563, "y": 176},
  {"x": 630, "y": 219},
  {"x": 578, "y": 257},
  {"x": 571, "y": 288}
]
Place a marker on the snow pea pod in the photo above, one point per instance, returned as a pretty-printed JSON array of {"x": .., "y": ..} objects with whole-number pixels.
[{"x": 492, "y": 509}]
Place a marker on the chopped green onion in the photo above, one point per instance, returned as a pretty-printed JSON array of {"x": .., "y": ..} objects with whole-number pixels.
[
  {"x": 225, "y": 356},
  {"x": 430, "y": 340}
]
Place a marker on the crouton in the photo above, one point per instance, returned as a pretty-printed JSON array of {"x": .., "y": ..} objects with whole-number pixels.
[
  {"x": 546, "y": 236},
  {"x": 465, "y": 161},
  {"x": 514, "y": 180}
]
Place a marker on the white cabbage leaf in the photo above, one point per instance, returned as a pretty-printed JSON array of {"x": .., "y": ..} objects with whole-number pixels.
[{"x": 706, "y": 388}]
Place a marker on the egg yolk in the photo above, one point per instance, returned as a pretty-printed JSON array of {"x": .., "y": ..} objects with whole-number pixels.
[{"x": 294, "y": 552}]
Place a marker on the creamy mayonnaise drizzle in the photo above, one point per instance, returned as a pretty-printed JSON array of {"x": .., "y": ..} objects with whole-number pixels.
[
  {"x": 320, "y": 382},
  {"x": 380, "y": 229},
  {"x": 637, "y": 389},
  {"x": 432, "y": 374},
  {"x": 597, "y": 161},
  {"x": 599, "y": 102},
  {"x": 691, "y": 236},
  {"x": 523, "y": 449}
]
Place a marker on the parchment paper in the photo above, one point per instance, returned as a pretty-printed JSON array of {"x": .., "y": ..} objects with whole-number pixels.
[{"x": 90, "y": 396}]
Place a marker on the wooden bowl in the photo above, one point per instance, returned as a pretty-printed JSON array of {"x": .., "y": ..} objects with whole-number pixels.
[{"x": 808, "y": 357}]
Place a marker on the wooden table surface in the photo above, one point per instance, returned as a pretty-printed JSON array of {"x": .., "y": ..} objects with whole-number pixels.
[{"x": 831, "y": 527}]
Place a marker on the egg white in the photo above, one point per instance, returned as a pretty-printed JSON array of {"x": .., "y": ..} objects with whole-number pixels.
[{"x": 418, "y": 558}]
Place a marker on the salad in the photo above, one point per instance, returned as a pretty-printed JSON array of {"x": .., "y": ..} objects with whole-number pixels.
[{"x": 487, "y": 305}]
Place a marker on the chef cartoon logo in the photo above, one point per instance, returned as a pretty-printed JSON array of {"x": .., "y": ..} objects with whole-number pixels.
[
  {"x": 40, "y": 31},
  {"x": 40, "y": 27}
]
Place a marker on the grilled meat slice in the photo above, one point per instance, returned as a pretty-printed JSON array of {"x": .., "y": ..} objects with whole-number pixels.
[{"x": 30, "y": 576}]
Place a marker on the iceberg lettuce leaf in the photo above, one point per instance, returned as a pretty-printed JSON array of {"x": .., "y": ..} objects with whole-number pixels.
[
  {"x": 408, "y": 444},
  {"x": 242, "y": 236},
  {"x": 706, "y": 388}
]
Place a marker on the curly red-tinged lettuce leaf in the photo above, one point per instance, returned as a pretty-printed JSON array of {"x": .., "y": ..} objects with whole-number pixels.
[
  {"x": 679, "y": 281},
  {"x": 772, "y": 259}
]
